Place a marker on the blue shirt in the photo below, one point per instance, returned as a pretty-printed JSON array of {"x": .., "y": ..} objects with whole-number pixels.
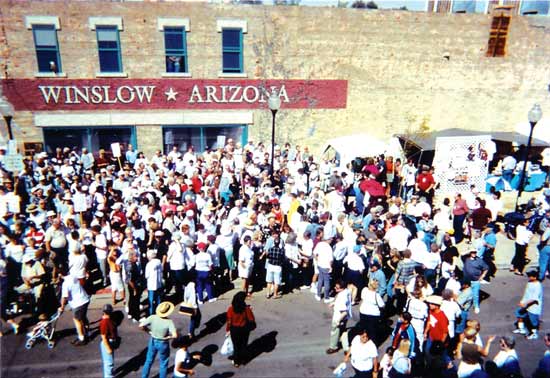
[{"x": 131, "y": 156}]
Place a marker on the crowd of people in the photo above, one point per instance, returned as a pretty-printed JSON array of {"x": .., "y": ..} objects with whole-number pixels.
[{"x": 183, "y": 228}]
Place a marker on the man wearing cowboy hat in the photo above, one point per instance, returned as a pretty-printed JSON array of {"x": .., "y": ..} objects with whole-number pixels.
[{"x": 161, "y": 329}]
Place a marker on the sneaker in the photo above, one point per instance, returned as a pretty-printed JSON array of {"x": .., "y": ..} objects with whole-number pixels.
[
  {"x": 520, "y": 331},
  {"x": 313, "y": 289},
  {"x": 304, "y": 287},
  {"x": 533, "y": 336},
  {"x": 200, "y": 302},
  {"x": 212, "y": 300},
  {"x": 331, "y": 350},
  {"x": 329, "y": 300},
  {"x": 79, "y": 343},
  {"x": 317, "y": 298},
  {"x": 484, "y": 282},
  {"x": 476, "y": 310}
]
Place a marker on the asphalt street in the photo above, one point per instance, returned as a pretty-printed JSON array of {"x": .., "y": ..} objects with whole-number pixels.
[{"x": 290, "y": 340}]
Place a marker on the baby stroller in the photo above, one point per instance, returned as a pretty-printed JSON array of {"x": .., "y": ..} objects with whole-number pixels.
[{"x": 43, "y": 330}]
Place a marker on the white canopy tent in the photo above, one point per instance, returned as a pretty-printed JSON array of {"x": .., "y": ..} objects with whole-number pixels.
[{"x": 349, "y": 147}]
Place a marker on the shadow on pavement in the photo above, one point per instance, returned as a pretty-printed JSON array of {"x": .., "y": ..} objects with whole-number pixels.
[
  {"x": 133, "y": 364},
  {"x": 227, "y": 374},
  {"x": 263, "y": 344},
  {"x": 212, "y": 326}
]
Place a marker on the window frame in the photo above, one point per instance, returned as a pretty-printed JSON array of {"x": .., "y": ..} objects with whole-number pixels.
[
  {"x": 233, "y": 50},
  {"x": 53, "y": 28},
  {"x": 182, "y": 52},
  {"x": 118, "y": 49}
]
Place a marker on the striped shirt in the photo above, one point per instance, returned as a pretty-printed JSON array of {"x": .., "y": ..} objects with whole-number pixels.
[{"x": 405, "y": 271}]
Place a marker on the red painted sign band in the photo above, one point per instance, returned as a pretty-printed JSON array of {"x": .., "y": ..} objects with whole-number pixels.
[{"x": 140, "y": 94}]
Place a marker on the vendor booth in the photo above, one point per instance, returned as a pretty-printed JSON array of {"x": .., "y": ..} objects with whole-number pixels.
[{"x": 421, "y": 148}]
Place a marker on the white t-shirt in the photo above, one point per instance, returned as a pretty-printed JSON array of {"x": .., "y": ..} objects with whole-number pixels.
[
  {"x": 203, "y": 262},
  {"x": 371, "y": 302},
  {"x": 323, "y": 252},
  {"x": 153, "y": 274},
  {"x": 183, "y": 357},
  {"x": 246, "y": 255},
  {"x": 398, "y": 237},
  {"x": 175, "y": 256},
  {"x": 77, "y": 265},
  {"x": 74, "y": 292},
  {"x": 363, "y": 355},
  {"x": 101, "y": 246}
]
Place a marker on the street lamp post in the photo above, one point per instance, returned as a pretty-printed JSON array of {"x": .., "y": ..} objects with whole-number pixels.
[
  {"x": 274, "y": 103},
  {"x": 534, "y": 116},
  {"x": 7, "y": 112}
]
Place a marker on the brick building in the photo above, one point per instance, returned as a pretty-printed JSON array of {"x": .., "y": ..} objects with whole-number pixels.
[{"x": 158, "y": 74}]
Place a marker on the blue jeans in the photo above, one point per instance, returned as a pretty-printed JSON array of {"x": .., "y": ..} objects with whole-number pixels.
[
  {"x": 203, "y": 281},
  {"x": 544, "y": 262},
  {"x": 162, "y": 347},
  {"x": 323, "y": 282},
  {"x": 154, "y": 300},
  {"x": 475, "y": 291},
  {"x": 533, "y": 318},
  {"x": 460, "y": 327},
  {"x": 108, "y": 360}
]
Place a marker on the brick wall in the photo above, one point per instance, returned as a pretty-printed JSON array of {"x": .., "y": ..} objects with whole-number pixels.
[{"x": 394, "y": 61}]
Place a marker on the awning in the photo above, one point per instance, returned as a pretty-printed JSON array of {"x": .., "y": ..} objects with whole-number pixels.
[{"x": 426, "y": 142}]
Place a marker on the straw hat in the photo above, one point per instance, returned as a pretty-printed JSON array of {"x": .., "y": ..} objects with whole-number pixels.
[
  {"x": 434, "y": 299},
  {"x": 164, "y": 309}
]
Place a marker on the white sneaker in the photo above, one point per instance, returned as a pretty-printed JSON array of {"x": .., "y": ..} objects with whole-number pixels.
[
  {"x": 476, "y": 310},
  {"x": 212, "y": 300},
  {"x": 483, "y": 282},
  {"x": 200, "y": 302},
  {"x": 533, "y": 336},
  {"x": 520, "y": 331},
  {"x": 304, "y": 287},
  {"x": 318, "y": 298},
  {"x": 329, "y": 300}
]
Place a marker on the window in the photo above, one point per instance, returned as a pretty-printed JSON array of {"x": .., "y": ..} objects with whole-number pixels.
[
  {"x": 202, "y": 137},
  {"x": 532, "y": 7},
  {"x": 499, "y": 31},
  {"x": 47, "y": 48},
  {"x": 175, "y": 44},
  {"x": 232, "y": 50},
  {"x": 470, "y": 6},
  {"x": 108, "y": 44}
]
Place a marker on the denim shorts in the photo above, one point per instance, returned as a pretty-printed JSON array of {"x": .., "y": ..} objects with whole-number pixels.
[{"x": 273, "y": 274}]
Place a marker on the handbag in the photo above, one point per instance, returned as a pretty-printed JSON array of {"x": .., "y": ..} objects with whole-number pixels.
[{"x": 187, "y": 309}]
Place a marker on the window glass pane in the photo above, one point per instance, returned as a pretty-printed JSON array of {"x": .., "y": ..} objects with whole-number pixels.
[
  {"x": 102, "y": 138},
  {"x": 231, "y": 61},
  {"x": 107, "y": 35},
  {"x": 44, "y": 59},
  {"x": 108, "y": 61},
  {"x": 211, "y": 135},
  {"x": 470, "y": 6},
  {"x": 173, "y": 41},
  {"x": 54, "y": 138},
  {"x": 541, "y": 6},
  {"x": 45, "y": 38},
  {"x": 231, "y": 38},
  {"x": 175, "y": 63},
  {"x": 182, "y": 138}
]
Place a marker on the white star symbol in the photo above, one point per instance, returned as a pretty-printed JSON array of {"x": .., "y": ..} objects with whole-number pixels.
[{"x": 171, "y": 94}]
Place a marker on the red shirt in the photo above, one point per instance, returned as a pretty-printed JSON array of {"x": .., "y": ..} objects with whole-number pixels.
[
  {"x": 460, "y": 207},
  {"x": 197, "y": 184},
  {"x": 424, "y": 181},
  {"x": 239, "y": 320},
  {"x": 439, "y": 326},
  {"x": 107, "y": 328}
]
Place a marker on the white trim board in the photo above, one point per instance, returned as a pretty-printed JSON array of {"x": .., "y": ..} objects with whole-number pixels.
[
  {"x": 42, "y": 20},
  {"x": 50, "y": 119}
]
